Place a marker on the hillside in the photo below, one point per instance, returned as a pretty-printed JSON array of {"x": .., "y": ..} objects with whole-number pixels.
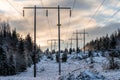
[
  {"x": 16, "y": 53},
  {"x": 105, "y": 42},
  {"x": 79, "y": 66}
]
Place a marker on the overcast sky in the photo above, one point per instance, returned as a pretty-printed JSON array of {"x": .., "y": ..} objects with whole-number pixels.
[{"x": 97, "y": 19}]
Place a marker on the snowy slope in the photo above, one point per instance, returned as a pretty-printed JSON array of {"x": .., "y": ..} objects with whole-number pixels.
[{"x": 48, "y": 69}]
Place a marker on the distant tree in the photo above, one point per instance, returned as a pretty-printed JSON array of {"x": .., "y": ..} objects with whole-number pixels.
[
  {"x": 97, "y": 44},
  {"x": 28, "y": 46},
  {"x": 12, "y": 66},
  {"x": 70, "y": 50},
  {"x": 15, "y": 52},
  {"x": 3, "y": 62},
  {"x": 66, "y": 50},
  {"x": 28, "y": 43},
  {"x": 107, "y": 42},
  {"x": 73, "y": 49},
  {"x": 90, "y": 54},
  {"x": 2, "y": 54},
  {"x": 15, "y": 37},
  {"x": 112, "y": 42},
  {"x": 21, "y": 46},
  {"x": 78, "y": 50},
  {"x": 53, "y": 51},
  {"x": 64, "y": 56},
  {"x": 57, "y": 57},
  {"x": 21, "y": 60}
]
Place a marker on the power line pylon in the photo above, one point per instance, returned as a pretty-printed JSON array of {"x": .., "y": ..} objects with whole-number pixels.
[
  {"x": 77, "y": 38},
  {"x": 58, "y": 8},
  {"x": 70, "y": 42},
  {"x": 84, "y": 36},
  {"x": 53, "y": 43}
]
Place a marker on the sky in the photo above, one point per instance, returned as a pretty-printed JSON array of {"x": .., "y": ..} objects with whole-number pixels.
[{"x": 98, "y": 17}]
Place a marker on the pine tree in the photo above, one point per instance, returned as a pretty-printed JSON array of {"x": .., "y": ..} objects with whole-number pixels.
[
  {"x": 21, "y": 56},
  {"x": 21, "y": 46},
  {"x": 112, "y": 42},
  {"x": 15, "y": 36},
  {"x": 3, "y": 62},
  {"x": 70, "y": 51},
  {"x": 64, "y": 56},
  {"x": 28, "y": 43}
]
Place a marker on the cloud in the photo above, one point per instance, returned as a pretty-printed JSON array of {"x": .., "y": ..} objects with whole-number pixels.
[
  {"x": 99, "y": 31},
  {"x": 47, "y": 26}
]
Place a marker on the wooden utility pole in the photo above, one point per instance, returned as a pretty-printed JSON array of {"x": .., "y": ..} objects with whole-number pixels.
[
  {"x": 70, "y": 42},
  {"x": 53, "y": 42},
  {"x": 76, "y": 39},
  {"x": 34, "y": 37},
  {"x": 84, "y": 35},
  {"x": 58, "y": 8}
]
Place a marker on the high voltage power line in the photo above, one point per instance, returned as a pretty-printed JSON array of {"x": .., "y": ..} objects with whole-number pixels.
[
  {"x": 95, "y": 12},
  {"x": 115, "y": 13},
  {"x": 69, "y": 21},
  {"x": 72, "y": 10},
  {"x": 20, "y": 13},
  {"x": 14, "y": 7},
  {"x": 47, "y": 20},
  {"x": 112, "y": 16}
]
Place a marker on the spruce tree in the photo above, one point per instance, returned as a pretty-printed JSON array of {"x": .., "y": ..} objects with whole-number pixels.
[{"x": 28, "y": 43}]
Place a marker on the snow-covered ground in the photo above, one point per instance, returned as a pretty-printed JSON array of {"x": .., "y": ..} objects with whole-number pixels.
[{"x": 48, "y": 69}]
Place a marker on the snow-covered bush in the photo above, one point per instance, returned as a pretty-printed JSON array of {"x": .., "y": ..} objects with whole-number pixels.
[
  {"x": 78, "y": 56},
  {"x": 112, "y": 62},
  {"x": 57, "y": 57},
  {"x": 49, "y": 56},
  {"x": 85, "y": 75},
  {"x": 68, "y": 77},
  {"x": 40, "y": 69},
  {"x": 64, "y": 57},
  {"x": 89, "y": 75}
]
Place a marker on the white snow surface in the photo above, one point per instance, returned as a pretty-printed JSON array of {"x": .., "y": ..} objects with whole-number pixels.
[{"x": 48, "y": 69}]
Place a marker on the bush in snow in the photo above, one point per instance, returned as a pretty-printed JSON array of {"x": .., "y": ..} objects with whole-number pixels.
[
  {"x": 40, "y": 69},
  {"x": 57, "y": 57},
  {"x": 49, "y": 56},
  {"x": 70, "y": 50},
  {"x": 78, "y": 50},
  {"x": 73, "y": 49},
  {"x": 64, "y": 57},
  {"x": 90, "y": 54},
  {"x": 53, "y": 51},
  {"x": 85, "y": 75},
  {"x": 89, "y": 75},
  {"x": 5, "y": 67},
  {"x": 112, "y": 63},
  {"x": 68, "y": 77}
]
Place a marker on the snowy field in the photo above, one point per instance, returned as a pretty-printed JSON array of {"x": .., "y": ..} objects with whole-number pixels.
[{"x": 48, "y": 70}]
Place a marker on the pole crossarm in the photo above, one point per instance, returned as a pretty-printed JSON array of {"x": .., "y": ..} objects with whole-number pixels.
[
  {"x": 71, "y": 39},
  {"x": 54, "y": 40},
  {"x": 47, "y": 7},
  {"x": 75, "y": 39},
  {"x": 84, "y": 34}
]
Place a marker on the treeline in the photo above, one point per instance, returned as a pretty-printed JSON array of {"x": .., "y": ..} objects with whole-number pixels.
[
  {"x": 16, "y": 53},
  {"x": 105, "y": 42}
]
